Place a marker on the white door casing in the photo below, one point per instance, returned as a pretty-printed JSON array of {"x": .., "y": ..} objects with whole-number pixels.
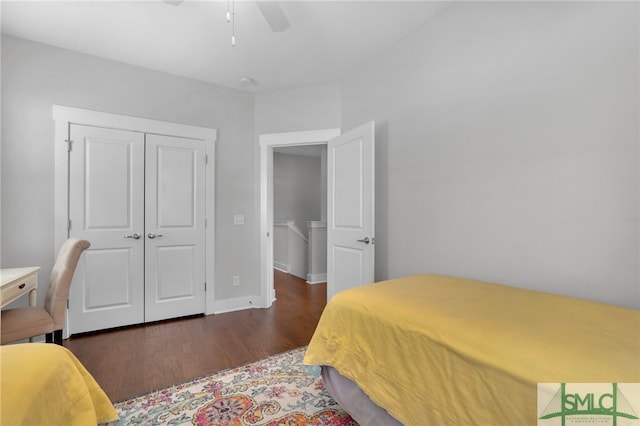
[
  {"x": 350, "y": 209},
  {"x": 174, "y": 227},
  {"x": 107, "y": 181}
]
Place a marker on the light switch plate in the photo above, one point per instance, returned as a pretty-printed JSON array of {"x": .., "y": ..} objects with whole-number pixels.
[{"x": 238, "y": 219}]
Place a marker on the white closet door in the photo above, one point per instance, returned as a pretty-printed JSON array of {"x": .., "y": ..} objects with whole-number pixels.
[
  {"x": 175, "y": 227},
  {"x": 106, "y": 170}
]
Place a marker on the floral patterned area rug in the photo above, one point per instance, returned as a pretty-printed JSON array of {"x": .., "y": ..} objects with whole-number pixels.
[{"x": 279, "y": 390}]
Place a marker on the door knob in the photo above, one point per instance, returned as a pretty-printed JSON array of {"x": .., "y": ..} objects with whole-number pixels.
[
  {"x": 364, "y": 240},
  {"x": 151, "y": 235},
  {"x": 135, "y": 236}
]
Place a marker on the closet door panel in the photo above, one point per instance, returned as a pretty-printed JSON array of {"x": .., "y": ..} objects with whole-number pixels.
[
  {"x": 175, "y": 231},
  {"x": 106, "y": 188}
]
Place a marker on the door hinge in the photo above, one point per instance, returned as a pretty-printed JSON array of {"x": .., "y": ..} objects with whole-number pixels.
[
  {"x": 205, "y": 287},
  {"x": 69, "y": 225},
  {"x": 206, "y": 159},
  {"x": 69, "y": 144},
  {"x": 67, "y": 303}
]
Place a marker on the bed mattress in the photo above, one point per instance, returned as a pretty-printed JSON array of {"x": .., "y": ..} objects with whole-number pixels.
[{"x": 434, "y": 349}]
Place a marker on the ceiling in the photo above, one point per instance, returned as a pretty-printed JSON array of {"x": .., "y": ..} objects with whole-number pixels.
[{"x": 326, "y": 40}]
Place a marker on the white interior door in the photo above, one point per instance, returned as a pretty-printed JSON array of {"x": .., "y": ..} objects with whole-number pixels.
[
  {"x": 175, "y": 227},
  {"x": 106, "y": 183},
  {"x": 350, "y": 209},
  {"x": 140, "y": 200}
]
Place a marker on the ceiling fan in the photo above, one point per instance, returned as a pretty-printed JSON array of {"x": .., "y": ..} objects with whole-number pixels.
[{"x": 271, "y": 11}]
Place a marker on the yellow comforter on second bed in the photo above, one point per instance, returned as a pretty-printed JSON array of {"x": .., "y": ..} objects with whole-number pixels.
[
  {"x": 441, "y": 350},
  {"x": 45, "y": 384}
]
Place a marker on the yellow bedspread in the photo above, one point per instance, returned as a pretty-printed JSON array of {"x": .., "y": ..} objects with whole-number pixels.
[
  {"x": 441, "y": 350},
  {"x": 45, "y": 384}
]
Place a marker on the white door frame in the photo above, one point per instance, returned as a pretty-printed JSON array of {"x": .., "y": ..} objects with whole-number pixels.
[
  {"x": 63, "y": 116},
  {"x": 267, "y": 143}
]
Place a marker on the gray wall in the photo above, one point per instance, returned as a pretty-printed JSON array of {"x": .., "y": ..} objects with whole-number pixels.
[
  {"x": 36, "y": 76},
  {"x": 296, "y": 189},
  {"x": 507, "y": 147},
  {"x": 305, "y": 108}
]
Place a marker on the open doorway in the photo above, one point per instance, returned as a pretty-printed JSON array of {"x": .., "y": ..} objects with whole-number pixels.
[
  {"x": 269, "y": 144},
  {"x": 299, "y": 211},
  {"x": 350, "y": 205}
]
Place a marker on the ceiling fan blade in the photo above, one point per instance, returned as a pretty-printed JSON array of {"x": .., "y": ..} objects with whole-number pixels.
[{"x": 274, "y": 15}]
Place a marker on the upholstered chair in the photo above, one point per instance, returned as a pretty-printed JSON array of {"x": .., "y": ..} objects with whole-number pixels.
[{"x": 28, "y": 322}]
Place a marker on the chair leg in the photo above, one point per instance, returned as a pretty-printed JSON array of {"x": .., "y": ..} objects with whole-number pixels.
[{"x": 55, "y": 337}]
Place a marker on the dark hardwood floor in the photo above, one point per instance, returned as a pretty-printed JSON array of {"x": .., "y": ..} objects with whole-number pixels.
[{"x": 131, "y": 361}]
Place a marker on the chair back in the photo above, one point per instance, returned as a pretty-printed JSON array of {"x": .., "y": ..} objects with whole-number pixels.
[{"x": 60, "y": 279}]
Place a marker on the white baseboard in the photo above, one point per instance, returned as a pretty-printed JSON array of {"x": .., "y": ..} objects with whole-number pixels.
[
  {"x": 232, "y": 305},
  {"x": 281, "y": 267},
  {"x": 316, "y": 278}
]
